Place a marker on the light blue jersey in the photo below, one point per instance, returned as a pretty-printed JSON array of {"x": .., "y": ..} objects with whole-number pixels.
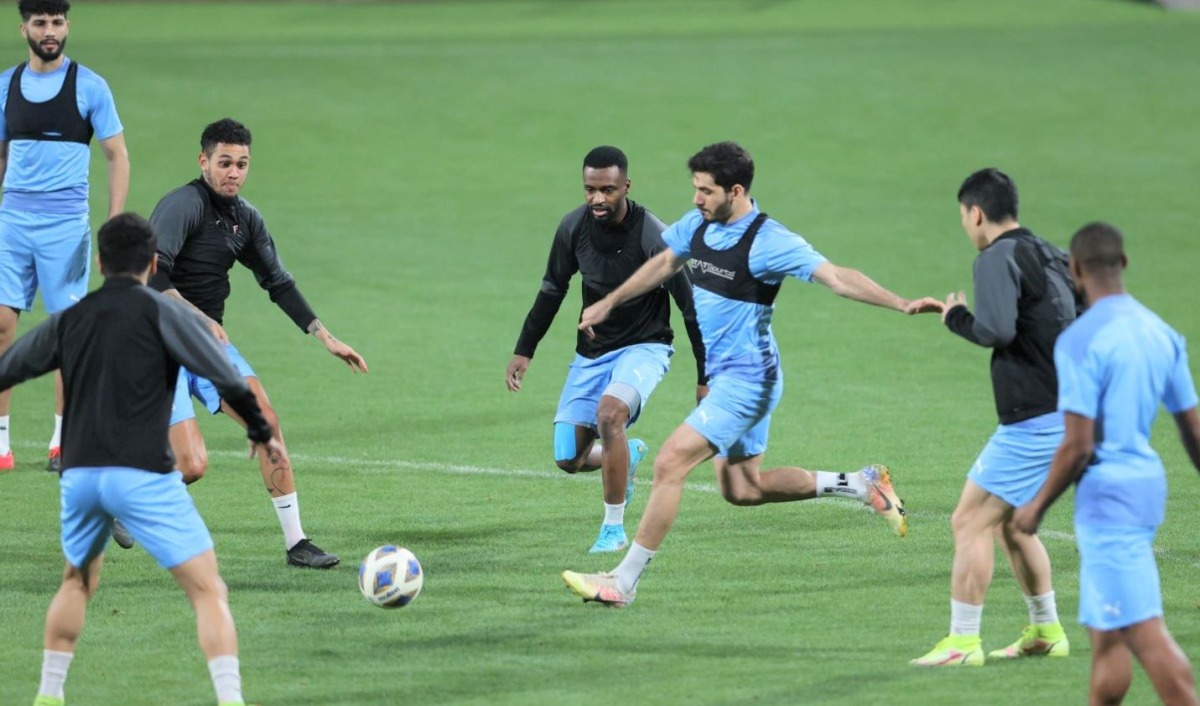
[
  {"x": 1115, "y": 364},
  {"x": 52, "y": 176},
  {"x": 737, "y": 335}
]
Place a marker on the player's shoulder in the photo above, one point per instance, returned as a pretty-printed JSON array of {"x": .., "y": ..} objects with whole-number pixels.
[
  {"x": 571, "y": 219},
  {"x": 249, "y": 212},
  {"x": 182, "y": 197},
  {"x": 689, "y": 221},
  {"x": 6, "y": 76},
  {"x": 652, "y": 223},
  {"x": 87, "y": 77}
]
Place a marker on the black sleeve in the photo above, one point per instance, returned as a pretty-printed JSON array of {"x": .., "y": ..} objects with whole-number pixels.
[
  {"x": 36, "y": 353},
  {"x": 961, "y": 321},
  {"x": 175, "y": 217},
  {"x": 997, "y": 291},
  {"x": 261, "y": 258},
  {"x": 562, "y": 265},
  {"x": 194, "y": 347},
  {"x": 680, "y": 288}
]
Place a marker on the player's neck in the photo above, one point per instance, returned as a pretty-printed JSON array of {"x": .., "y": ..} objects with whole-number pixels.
[
  {"x": 1097, "y": 288},
  {"x": 741, "y": 207},
  {"x": 995, "y": 230},
  {"x": 38, "y": 66}
]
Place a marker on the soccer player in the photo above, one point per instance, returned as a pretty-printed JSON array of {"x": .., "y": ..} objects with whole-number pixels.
[
  {"x": 738, "y": 259},
  {"x": 52, "y": 109},
  {"x": 1023, "y": 299},
  {"x": 1115, "y": 364},
  {"x": 119, "y": 350},
  {"x": 203, "y": 228},
  {"x": 614, "y": 373}
]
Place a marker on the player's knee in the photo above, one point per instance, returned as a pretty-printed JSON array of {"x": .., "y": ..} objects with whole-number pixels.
[
  {"x": 569, "y": 465},
  {"x": 611, "y": 419},
  {"x": 741, "y": 494},
  {"x": 193, "y": 465}
]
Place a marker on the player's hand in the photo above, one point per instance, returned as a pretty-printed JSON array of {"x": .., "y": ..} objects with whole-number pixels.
[
  {"x": 924, "y": 305},
  {"x": 516, "y": 370},
  {"x": 1027, "y": 518},
  {"x": 593, "y": 316},
  {"x": 219, "y": 331},
  {"x": 272, "y": 449},
  {"x": 952, "y": 300},
  {"x": 701, "y": 393},
  {"x": 348, "y": 355}
]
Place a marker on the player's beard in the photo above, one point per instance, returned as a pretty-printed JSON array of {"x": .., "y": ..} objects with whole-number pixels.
[
  {"x": 722, "y": 213},
  {"x": 45, "y": 55}
]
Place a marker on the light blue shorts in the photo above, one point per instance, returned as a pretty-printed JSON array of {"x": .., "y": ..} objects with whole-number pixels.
[
  {"x": 52, "y": 251},
  {"x": 203, "y": 389},
  {"x": 181, "y": 407},
  {"x": 155, "y": 508},
  {"x": 1016, "y": 460},
  {"x": 640, "y": 366},
  {"x": 735, "y": 416},
  {"x": 1118, "y": 577}
]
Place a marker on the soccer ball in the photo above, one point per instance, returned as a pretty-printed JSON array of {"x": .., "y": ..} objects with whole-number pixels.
[{"x": 390, "y": 577}]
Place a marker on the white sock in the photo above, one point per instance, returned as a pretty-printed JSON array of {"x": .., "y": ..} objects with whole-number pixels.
[
  {"x": 614, "y": 514},
  {"x": 288, "y": 509},
  {"x": 1042, "y": 609},
  {"x": 4, "y": 443},
  {"x": 629, "y": 571},
  {"x": 56, "y": 440},
  {"x": 965, "y": 618},
  {"x": 226, "y": 678},
  {"x": 54, "y": 672},
  {"x": 842, "y": 485}
]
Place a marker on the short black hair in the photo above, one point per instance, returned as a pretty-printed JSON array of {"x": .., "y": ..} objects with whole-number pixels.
[
  {"x": 127, "y": 245},
  {"x": 1098, "y": 246},
  {"x": 728, "y": 163},
  {"x": 606, "y": 156},
  {"x": 993, "y": 192},
  {"x": 29, "y": 8},
  {"x": 226, "y": 130}
]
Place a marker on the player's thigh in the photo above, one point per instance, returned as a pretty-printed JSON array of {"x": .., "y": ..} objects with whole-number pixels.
[
  {"x": 62, "y": 257},
  {"x": 203, "y": 389},
  {"x": 580, "y": 398},
  {"x": 683, "y": 450},
  {"x": 18, "y": 275},
  {"x": 85, "y": 522},
  {"x": 1015, "y": 462},
  {"x": 158, "y": 511},
  {"x": 735, "y": 416},
  {"x": 979, "y": 510},
  {"x": 1118, "y": 576},
  {"x": 737, "y": 473},
  {"x": 636, "y": 372}
]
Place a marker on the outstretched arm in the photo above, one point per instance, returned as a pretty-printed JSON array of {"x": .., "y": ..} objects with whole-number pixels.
[
  {"x": 117, "y": 156},
  {"x": 336, "y": 347},
  {"x": 657, "y": 270},
  {"x": 852, "y": 284},
  {"x": 1070, "y": 460}
]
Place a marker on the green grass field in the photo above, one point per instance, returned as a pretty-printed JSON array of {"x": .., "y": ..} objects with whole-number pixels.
[{"x": 412, "y": 161}]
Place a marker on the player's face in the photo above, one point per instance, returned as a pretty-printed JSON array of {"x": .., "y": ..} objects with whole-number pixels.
[
  {"x": 972, "y": 223},
  {"x": 605, "y": 190},
  {"x": 226, "y": 168},
  {"x": 714, "y": 202},
  {"x": 47, "y": 35}
]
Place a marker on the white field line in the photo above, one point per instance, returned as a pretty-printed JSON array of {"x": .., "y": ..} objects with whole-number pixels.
[{"x": 457, "y": 469}]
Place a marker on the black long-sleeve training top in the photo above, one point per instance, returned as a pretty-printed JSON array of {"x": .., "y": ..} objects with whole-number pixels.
[
  {"x": 120, "y": 349},
  {"x": 605, "y": 256},
  {"x": 1023, "y": 299},
  {"x": 202, "y": 234}
]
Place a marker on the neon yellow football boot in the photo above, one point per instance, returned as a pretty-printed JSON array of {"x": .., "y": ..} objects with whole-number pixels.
[
  {"x": 1047, "y": 640},
  {"x": 953, "y": 651}
]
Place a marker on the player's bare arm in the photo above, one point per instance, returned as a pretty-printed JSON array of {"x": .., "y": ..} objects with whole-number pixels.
[
  {"x": 1189, "y": 433},
  {"x": 852, "y": 284},
  {"x": 657, "y": 270},
  {"x": 117, "y": 156},
  {"x": 516, "y": 370},
  {"x": 348, "y": 355},
  {"x": 1069, "y": 462},
  {"x": 217, "y": 329}
]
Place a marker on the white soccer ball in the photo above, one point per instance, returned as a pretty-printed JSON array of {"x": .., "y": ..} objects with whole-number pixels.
[{"x": 390, "y": 577}]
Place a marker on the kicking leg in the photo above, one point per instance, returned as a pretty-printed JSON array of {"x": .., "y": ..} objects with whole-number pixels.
[{"x": 280, "y": 481}]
